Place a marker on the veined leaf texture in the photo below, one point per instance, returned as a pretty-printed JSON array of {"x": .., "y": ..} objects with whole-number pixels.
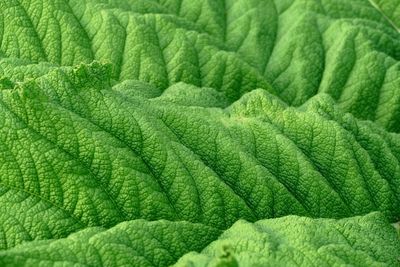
[{"x": 199, "y": 133}]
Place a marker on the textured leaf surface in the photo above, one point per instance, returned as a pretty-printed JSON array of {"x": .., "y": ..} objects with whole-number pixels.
[
  {"x": 390, "y": 9},
  {"x": 132, "y": 243},
  {"x": 287, "y": 241},
  {"x": 299, "y": 241},
  {"x": 200, "y": 114},
  {"x": 293, "y": 48},
  {"x": 81, "y": 153}
]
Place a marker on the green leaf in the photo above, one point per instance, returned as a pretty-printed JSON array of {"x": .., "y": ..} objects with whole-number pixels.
[
  {"x": 132, "y": 243},
  {"x": 79, "y": 152},
  {"x": 293, "y": 48},
  {"x": 184, "y": 117},
  {"x": 390, "y": 9},
  {"x": 299, "y": 241},
  {"x": 287, "y": 241}
]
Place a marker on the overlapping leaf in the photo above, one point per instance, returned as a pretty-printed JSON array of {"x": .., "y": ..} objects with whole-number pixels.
[
  {"x": 287, "y": 241},
  {"x": 297, "y": 241},
  {"x": 292, "y": 48},
  {"x": 132, "y": 243},
  {"x": 82, "y": 153},
  {"x": 209, "y": 112}
]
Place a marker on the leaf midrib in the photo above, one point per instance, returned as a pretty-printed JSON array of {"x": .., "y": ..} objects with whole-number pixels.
[{"x": 391, "y": 22}]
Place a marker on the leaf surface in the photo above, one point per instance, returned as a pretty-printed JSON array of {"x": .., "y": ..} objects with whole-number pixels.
[
  {"x": 294, "y": 49},
  {"x": 82, "y": 152},
  {"x": 134, "y": 132},
  {"x": 288, "y": 241},
  {"x": 131, "y": 243},
  {"x": 390, "y": 9},
  {"x": 298, "y": 241}
]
